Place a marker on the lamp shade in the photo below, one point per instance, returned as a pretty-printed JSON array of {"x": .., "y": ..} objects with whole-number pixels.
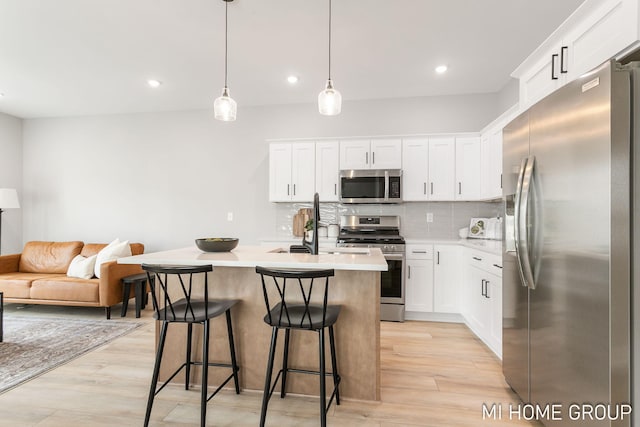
[{"x": 9, "y": 198}]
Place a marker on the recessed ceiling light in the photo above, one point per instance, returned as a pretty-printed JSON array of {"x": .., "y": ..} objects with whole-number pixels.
[
  {"x": 154, "y": 83},
  {"x": 292, "y": 79},
  {"x": 441, "y": 69}
]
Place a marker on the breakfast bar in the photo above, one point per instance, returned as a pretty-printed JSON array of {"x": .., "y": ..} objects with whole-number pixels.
[{"x": 356, "y": 287}]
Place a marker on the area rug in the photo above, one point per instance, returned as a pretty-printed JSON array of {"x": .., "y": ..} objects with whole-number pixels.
[{"x": 35, "y": 345}]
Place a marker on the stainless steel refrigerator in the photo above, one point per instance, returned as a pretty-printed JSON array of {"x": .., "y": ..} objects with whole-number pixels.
[{"x": 568, "y": 246}]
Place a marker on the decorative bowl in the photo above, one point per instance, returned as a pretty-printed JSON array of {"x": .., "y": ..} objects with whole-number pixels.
[{"x": 217, "y": 244}]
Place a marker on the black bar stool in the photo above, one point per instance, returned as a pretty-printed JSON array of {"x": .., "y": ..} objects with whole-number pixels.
[
  {"x": 288, "y": 314},
  {"x": 174, "y": 303}
]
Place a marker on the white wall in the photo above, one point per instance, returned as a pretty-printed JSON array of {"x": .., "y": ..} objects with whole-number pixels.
[
  {"x": 11, "y": 177},
  {"x": 165, "y": 179}
]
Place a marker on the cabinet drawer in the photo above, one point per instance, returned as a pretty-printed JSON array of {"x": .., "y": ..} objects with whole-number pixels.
[
  {"x": 419, "y": 251},
  {"x": 487, "y": 262}
]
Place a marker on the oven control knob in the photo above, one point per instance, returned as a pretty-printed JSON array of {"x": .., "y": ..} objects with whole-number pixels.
[{"x": 385, "y": 248}]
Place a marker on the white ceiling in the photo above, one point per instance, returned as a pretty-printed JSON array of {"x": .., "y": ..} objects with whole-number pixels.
[{"x": 80, "y": 57}]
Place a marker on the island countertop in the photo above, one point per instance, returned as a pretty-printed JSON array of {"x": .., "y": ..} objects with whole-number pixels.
[{"x": 366, "y": 259}]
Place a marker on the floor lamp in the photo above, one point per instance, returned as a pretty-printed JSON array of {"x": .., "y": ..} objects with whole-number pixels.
[{"x": 8, "y": 200}]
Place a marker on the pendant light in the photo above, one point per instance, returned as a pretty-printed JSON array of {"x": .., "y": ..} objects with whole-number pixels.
[
  {"x": 329, "y": 100},
  {"x": 224, "y": 107}
]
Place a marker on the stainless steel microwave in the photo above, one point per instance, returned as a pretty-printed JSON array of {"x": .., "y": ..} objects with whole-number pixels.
[{"x": 371, "y": 186}]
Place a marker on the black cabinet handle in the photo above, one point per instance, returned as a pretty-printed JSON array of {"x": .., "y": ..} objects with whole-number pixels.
[
  {"x": 408, "y": 272},
  {"x": 482, "y": 288},
  {"x": 288, "y": 187},
  {"x": 553, "y": 66},
  {"x": 432, "y": 188},
  {"x": 366, "y": 158},
  {"x": 335, "y": 189},
  {"x": 563, "y": 63},
  {"x": 477, "y": 259},
  {"x": 486, "y": 289},
  {"x": 294, "y": 189},
  {"x": 459, "y": 188},
  {"x": 438, "y": 258},
  {"x": 496, "y": 265},
  {"x": 425, "y": 188},
  {"x": 373, "y": 158}
]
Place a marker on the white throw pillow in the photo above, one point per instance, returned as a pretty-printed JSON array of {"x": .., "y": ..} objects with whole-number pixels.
[
  {"x": 82, "y": 267},
  {"x": 113, "y": 250}
]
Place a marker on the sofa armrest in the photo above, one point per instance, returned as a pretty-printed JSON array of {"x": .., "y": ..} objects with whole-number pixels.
[
  {"x": 9, "y": 263},
  {"x": 111, "y": 274}
]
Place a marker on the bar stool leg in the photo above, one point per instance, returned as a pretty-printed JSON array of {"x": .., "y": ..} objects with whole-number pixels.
[
  {"x": 285, "y": 363},
  {"x": 334, "y": 365},
  {"x": 126, "y": 291},
  {"x": 156, "y": 372},
  {"x": 267, "y": 381},
  {"x": 232, "y": 349},
  {"x": 188, "y": 356},
  {"x": 323, "y": 394},
  {"x": 205, "y": 374}
]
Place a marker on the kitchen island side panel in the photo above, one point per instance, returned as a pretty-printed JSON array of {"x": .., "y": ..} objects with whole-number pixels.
[{"x": 357, "y": 335}]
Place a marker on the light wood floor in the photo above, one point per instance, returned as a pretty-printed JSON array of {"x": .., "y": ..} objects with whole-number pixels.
[{"x": 433, "y": 374}]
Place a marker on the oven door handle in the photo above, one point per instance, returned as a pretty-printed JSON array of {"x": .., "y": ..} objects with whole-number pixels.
[{"x": 394, "y": 256}]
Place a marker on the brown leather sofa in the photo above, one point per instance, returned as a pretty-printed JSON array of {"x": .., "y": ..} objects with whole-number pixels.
[{"x": 39, "y": 276}]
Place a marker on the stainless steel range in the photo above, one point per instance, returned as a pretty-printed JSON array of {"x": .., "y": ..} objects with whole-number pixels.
[{"x": 359, "y": 231}]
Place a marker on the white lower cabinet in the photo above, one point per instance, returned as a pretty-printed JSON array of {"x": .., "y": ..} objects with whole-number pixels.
[
  {"x": 446, "y": 263},
  {"x": 482, "y": 297},
  {"x": 419, "y": 278}
]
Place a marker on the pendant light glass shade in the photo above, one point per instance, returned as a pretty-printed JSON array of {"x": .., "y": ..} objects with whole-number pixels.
[
  {"x": 224, "y": 107},
  {"x": 329, "y": 100}
]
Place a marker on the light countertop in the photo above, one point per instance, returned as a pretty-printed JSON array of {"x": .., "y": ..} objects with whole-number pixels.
[{"x": 369, "y": 259}]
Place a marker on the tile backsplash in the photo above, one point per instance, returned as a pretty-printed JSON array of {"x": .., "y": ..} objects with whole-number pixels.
[{"x": 448, "y": 217}]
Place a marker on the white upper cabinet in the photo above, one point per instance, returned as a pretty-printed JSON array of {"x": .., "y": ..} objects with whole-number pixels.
[
  {"x": 597, "y": 31},
  {"x": 327, "y": 170},
  {"x": 291, "y": 171},
  {"x": 441, "y": 168},
  {"x": 491, "y": 164},
  {"x": 371, "y": 154},
  {"x": 415, "y": 169},
  {"x": 386, "y": 153},
  {"x": 467, "y": 185}
]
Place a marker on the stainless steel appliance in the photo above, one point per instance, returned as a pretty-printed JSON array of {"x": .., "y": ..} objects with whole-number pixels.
[
  {"x": 371, "y": 186},
  {"x": 358, "y": 231},
  {"x": 568, "y": 247}
]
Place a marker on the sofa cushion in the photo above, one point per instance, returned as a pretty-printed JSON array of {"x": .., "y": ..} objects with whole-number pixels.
[
  {"x": 65, "y": 288},
  {"x": 82, "y": 267},
  {"x": 93, "y": 249},
  {"x": 111, "y": 252},
  {"x": 18, "y": 285},
  {"x": 48, "y": 257}
]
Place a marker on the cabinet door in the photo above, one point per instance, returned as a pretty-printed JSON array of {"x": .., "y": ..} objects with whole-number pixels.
[
  {"x": 441, "y": 168},
  {"x": 606, "y": 32},
  {"x": 415, "y": 169},
  {"x": 467, "y": 168},
  {"x": 479, "y": 303},
  {"x": 419, "y": 286},
  {"x": 538, "y": 81},
  {"x": 491, "y": 165},
  {"x": 327, "y": 170},
  {"x": 386, "y": 153},
  {"x": 280, "y": 172},
  {"x": 354, "y": 154},
  {"x": 303, "y": 166},
  {"x": 446, "y": 264},
  {"x": 494, "y": 295}
]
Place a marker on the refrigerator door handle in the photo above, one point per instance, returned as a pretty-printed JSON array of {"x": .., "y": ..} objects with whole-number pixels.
[
  {"x": 516, "y": 217},
  {"x": 522, "y": 243}
]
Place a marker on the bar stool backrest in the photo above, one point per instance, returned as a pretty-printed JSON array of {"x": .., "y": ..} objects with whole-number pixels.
[
  {"x": 176, "y": 303},
  {"x": 290, "y": 312}
]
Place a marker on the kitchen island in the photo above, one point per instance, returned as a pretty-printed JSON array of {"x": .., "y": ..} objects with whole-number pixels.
[{"x": 356, "y": 287}]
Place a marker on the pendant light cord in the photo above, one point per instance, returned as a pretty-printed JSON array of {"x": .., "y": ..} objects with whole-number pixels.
[
  {"x": 329, "y": 39},
  {"x": 226, "y": 26}
]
